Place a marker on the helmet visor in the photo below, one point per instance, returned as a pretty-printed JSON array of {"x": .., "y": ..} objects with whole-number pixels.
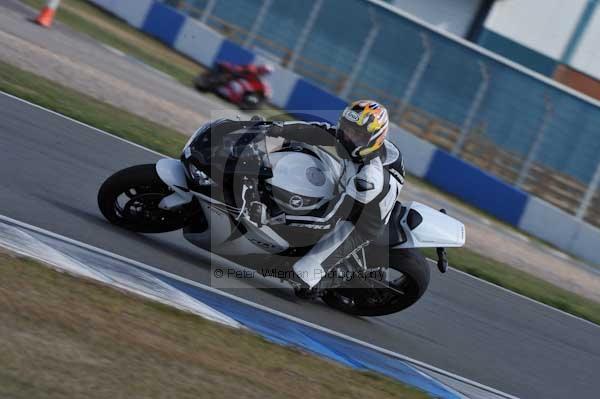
[{"x": 350, "y": 133}]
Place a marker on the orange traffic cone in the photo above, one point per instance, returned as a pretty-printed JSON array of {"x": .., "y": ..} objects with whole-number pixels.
[{"x": 46, "y": 16}]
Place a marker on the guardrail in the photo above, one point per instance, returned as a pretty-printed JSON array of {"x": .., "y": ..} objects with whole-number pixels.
[{"x": 464, "y": 178}]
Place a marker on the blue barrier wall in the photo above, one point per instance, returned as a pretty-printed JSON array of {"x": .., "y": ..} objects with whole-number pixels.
[
  {"x": 308, "y": 97},
  {"x": 234, "y": 53},
  {"x": 164, "y": 23},
  {"x": 477, "y": 187}
]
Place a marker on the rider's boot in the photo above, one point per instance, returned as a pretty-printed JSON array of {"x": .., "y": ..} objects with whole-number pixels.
[
  {"x": 307, "y": 293},
  {"x": 302, "y": 290}
]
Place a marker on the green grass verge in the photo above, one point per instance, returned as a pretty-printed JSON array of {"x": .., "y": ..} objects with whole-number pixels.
[
  {"x": 86, "y": 18},
  {"x": 86, "y": 109},
  {"x": 521, "y": 282},
  {"x": 64, "y": 337}
]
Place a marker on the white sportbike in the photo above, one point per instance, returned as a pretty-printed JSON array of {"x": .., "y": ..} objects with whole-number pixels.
[{"x": 233, "y": 191}]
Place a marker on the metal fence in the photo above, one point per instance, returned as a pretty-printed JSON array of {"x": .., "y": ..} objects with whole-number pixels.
[{"x": 521, "y": 128}]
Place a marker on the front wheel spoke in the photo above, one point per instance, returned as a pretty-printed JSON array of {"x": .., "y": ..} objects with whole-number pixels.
[{"x": 143, "y": 205}]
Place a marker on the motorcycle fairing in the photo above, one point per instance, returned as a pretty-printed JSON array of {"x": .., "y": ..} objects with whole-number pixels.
[
  {"x": 172, "y": 173},
  {"x": 224, "y": 236},
  {"x": 423, "y": 227}
]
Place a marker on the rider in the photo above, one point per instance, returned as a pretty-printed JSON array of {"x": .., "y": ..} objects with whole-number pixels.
[{"x": 367, "y": 194}]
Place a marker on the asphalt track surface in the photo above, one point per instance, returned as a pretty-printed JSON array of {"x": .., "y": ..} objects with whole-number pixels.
[{"x": 51, "y": 168}]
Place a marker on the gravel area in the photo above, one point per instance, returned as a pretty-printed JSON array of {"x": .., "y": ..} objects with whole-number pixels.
[{"x": 78, "y": 62}]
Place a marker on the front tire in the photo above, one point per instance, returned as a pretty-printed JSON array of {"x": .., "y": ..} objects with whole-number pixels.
[
  {"x": 130, "y": 198},
  {"x": 415, "y": 275}
]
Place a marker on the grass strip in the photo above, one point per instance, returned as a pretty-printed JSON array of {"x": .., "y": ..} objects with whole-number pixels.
[
  {"x": 86, "y": 18},
  {"x": 86, "y": 109},
  {"x": 65, "y": 337}
]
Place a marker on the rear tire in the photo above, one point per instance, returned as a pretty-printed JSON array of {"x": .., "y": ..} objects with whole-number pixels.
[
  {"x": 130, "y": 198},
  {"x": 416, "y": 271}
]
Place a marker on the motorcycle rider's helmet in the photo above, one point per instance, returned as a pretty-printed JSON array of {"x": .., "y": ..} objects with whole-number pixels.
[{"x": 361, "y": 130}]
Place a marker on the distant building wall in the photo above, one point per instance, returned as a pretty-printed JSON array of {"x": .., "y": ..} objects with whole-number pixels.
[
  {"x": 586, "y": 56},
  {"x": 454, "y": 16},
  {"x": 577, "y": 80},
  {"x": 552, "y": 37},
  {"x": 544, "y": 26}
]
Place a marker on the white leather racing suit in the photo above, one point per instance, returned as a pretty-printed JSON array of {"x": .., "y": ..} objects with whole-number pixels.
[{"x": 367, "y": 193}]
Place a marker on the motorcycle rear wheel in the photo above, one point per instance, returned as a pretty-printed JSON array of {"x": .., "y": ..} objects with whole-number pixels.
[
  {"x": 130, "y": 198},
  {"x": 415, "y": 272}
]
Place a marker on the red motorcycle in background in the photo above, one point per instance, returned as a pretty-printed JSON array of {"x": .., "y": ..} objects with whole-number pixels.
[{"x": 242, "y": 85}]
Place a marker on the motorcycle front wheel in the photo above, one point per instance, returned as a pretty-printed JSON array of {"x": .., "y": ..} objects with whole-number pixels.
[
  {"x": 409, "y": 279},
  {"x": 130, "y": 198},
  {"x": 208, "y": 81}
]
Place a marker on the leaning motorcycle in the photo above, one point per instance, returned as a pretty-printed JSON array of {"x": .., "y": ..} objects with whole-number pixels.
[{"x": 233, "y": 191}]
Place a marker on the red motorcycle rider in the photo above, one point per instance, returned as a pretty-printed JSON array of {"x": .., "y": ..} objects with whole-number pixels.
[{"x": 243, "y": 85}]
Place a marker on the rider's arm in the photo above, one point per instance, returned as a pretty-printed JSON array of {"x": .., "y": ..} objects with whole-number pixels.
[
  {"x": 373, "y": 193},
  {"x": 313, "y": 133},
  {"x": 367, "y": 184}
]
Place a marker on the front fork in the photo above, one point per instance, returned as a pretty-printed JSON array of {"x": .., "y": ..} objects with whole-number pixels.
[{"x": 172, "y": 173}]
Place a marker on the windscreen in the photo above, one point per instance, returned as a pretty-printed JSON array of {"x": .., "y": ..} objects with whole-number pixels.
[{"x": 227, "y": 147}]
